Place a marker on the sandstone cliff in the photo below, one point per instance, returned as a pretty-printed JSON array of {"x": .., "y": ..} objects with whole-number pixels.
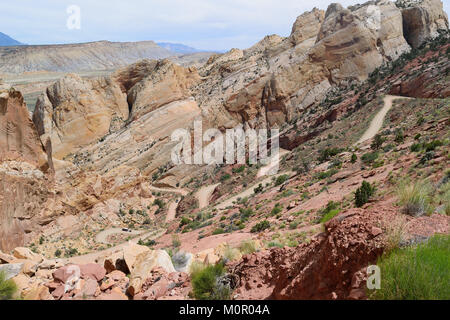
[{"x": 23, "y": 185}]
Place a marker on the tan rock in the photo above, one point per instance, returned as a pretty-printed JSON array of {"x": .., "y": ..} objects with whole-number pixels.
[
  {"x": 75, "y": 112},
  {"x": 27, "y": 254},
  {"x": 143, "y": 266},
  {"x": 423, "y": 20}
]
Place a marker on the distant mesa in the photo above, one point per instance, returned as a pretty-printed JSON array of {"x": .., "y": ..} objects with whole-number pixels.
[
  {"x": 7, "y": 41},
  {"x": 177, "y": 48}
]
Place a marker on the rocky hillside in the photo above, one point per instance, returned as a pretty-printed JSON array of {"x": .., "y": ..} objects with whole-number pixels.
[{"x": 93, "y": 169}]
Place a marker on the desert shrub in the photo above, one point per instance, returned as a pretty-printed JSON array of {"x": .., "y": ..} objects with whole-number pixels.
[
  {"x": 58, "y": 253},
  {"x": 176, "y": 242},
  {"x": 416, "y": 147},
  {"x": 363, "y": 194},
  {"x": 416, "y": 273},
  {"x": 369, "y": 158},
  {"x": 239, "y": 169},
  {"x": 206, "y": 284},
  {"x": 399, "y": 136},
  {"x": 248, "y": 247},
  {"x": 278, "y": 208},
  {"x": 330, "y": 211},
  {"x": 443, "y": 197},
  {"x": 281, "y": 179},
  {"x": 225, "y": 177},
  {"x": 218, "y": 231},
  {"x": 330, "y": 215},
  {"x": 354, "y": 158},
  {"x": 395, "y": 232},
  {"x": 414, "y": 197},
  {"x": 326, "y": 174},
  {"x": 184, "y": 221},
  {"x": 160, "y": 203},
  {"x": 245, "y": 213},
  {"x": 259, "y": 189},
  {"x": 377, "y": 142},
  {"x": 431, "y": 146},
  {"x": 327, "y": 154},
  {"x": 275, "y": 244},
  {"x": 430, "y": 155},
  {"x": 261, "y": 226},
  {"x": 231, "y": 254},
  {"x": 149, "y": 243},
  {"x": 7, "y": 287}
]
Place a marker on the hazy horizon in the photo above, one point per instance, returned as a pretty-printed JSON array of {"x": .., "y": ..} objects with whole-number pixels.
[{"x": 201, "y": 24}]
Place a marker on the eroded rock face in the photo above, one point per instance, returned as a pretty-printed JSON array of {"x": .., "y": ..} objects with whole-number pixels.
[
  {"x": 18, "y": 137},
  {"x": 423, "y": 20},
  {"x": 24, "y": 188},
  {"x": 166, "y": 83},
  {"x": 76, "y": 112}
]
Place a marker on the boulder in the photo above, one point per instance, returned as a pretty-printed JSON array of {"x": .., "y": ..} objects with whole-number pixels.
[
  {"x": 143, "y": 266},
  {"x": 5, "y": 258},
  {"x": 27, "y": 254},
  {"x": 92, "y": 271},
  {"x": 115, "y": 294},
  {"x": 131, "y": 252},
  {"x": 11, "y": 270}
]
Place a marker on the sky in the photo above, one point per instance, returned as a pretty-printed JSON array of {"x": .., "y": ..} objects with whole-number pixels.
[{"x": 204, "y": 24}]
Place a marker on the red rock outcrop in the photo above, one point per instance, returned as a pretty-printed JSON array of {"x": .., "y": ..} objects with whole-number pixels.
[{"x": 322, "y": 269}]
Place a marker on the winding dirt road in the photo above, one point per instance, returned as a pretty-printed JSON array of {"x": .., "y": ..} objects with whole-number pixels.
[
  {"x": 172, "y": 211},
  {"x": 377, "y": 122},
  {"x": 204, "y": 195},
  {"x": 102, "y": 237}
]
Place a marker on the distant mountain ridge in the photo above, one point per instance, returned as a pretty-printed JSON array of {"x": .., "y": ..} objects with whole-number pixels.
[
  {"x": 100, "y": 55},
  {"x": 177, "y": 48},
  {"x": 6, "y": 40}
]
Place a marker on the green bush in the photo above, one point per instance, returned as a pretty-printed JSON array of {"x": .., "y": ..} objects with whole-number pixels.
[
  {"x": 330, "y": 215},
  {"x": 377, "y": 142},
  {"x": 414, "y": 197},
  {"x": 416, "y": 273},
  {"x": 326, "y": 174},
  {"x": 399, "y": 136},
  {"x": 354, "y": 158},
  {"x": 263, "y": 225},
  {"x": 7, "y": 288},
  {"x": 363, "y": 194},
  {"x": 278, "y": 208},
  {"x": 218, "y": 231},
  {"x": 259, "y": 189},
  {"x": 239, "y": 169},
  {"x": 225, "y": 177},
  {"x": 160, "y": 203},
  {"x": 330, "y": 211},
  {"x": 206, "y": 284},
  {"x": 248, "y": 247},
  {"x": 370, "y": 157},
  {"x": 327, "y": 154},
  {"x": 58, "y": 253},
  {"x": 281, "y": 179}
]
